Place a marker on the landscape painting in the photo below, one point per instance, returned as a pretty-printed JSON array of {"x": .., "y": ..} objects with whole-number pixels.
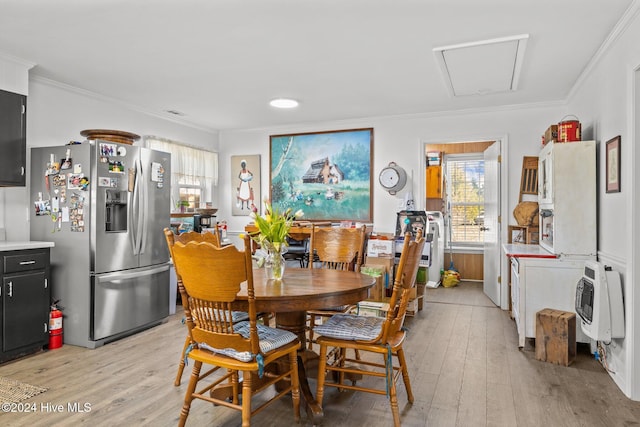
[{"x": 326, "y": 174}]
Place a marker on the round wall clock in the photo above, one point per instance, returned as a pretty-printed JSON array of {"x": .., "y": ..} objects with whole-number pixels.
[{"x": 393, "y": 178}]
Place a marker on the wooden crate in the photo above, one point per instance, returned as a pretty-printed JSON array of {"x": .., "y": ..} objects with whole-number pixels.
[
  {"x": 556, "y": 336},
  {"x": 523, "y": 234}
]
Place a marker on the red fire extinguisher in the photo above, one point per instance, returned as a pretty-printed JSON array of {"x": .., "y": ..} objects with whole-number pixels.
[{"x": 55, "y": 327}]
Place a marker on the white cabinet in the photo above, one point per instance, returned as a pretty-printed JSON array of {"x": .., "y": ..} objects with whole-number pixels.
[
  {"x": 567, "y": 198},
  {"x": 538, "y": 283}
]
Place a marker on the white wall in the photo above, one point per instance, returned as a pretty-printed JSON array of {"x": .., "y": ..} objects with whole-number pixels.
[
  {"x": 401, "y": 140},
  {"x": 604, "y": 102},
  {"x": 57, "y": 114}
]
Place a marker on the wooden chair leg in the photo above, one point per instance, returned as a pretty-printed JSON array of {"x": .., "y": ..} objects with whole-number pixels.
[
  {"x": 312, "y": 324},
  {"x": 393, "y": 399},
  {"x": 405, "y": 374},
  {"x": 246, "y": 398},
  {"x": 295, "y": 386},
  {"x": 394, "y": 406},
  {"x": 176, "y": 383},
  {"x": 188, "y": 398},
  {"x": 322, "y": 362},
  {"x": 234, "y": 387}
]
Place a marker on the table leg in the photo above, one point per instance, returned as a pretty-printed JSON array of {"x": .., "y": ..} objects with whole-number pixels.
[{"x": 296, "y": 322}]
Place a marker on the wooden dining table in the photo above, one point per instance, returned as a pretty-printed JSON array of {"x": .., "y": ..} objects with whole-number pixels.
[{"x": 300, "y": 290}]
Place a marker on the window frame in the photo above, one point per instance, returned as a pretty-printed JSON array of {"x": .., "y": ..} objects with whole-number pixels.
[
  {"x": 448, "y": 162},
  {"x": 202, "y": 165}
]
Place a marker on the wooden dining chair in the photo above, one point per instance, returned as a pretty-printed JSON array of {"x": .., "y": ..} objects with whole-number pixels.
[
  {"x": 336, "y": 248},
  {"x": 212, "y": 277},
  {"x": 381, "y": 336},
  {"x": 192, "y": 236}
]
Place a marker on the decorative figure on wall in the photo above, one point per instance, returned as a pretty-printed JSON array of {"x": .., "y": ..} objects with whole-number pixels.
[
  {"x": 245, "y": 192},
  {"x": 246, "y": 184}
]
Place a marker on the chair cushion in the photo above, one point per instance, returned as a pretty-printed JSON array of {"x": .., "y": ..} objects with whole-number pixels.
[
  {"x": 338, "y": 308},
  {"x": 236, "y": 316},
  {"x": 270, "y": 339},
  {"x": 351, "y": 327},
  {"x": 239, "y": 316}
]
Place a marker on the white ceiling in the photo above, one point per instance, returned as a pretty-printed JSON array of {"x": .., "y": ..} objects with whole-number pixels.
[{"x": 221, "y": 61}]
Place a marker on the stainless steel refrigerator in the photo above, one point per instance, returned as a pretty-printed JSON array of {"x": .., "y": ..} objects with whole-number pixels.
[{"x": 105, "y": 206}]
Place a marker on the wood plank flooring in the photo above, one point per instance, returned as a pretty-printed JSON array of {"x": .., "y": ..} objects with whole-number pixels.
[{"x": 463, "y": 357}]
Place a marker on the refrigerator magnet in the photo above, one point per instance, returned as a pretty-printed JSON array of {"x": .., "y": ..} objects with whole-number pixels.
[
  {"x": 42, "y": 207},
  {"x": 73, "y": 183},
  {"x": 108, "y": 149},
  {"x": 64, "y": 214},
  {"x": 84, "y": 183},
  {"x": 66, "y": 164},
  {"x": 105, "y": 181},
  {"x": 59, "y": 180},
  {"x": 116, "y": 167},
  {"x": 53, "y": 168},
  {"x": 157, "y": 172}
]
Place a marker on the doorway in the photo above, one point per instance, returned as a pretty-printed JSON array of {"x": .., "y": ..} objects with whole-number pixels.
[{"x": 468, "y": 256}]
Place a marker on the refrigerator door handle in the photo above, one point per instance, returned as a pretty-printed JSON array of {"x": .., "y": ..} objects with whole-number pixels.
[
  {"x": 143, "y": 212},
  {"x": 135, "y": 208},
  {"x": 132, "y": 236},
  {"x": 110, "y": 277}
]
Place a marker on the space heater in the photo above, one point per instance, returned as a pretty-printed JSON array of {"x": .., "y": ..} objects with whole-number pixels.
[{"x": 599, "y": 302}]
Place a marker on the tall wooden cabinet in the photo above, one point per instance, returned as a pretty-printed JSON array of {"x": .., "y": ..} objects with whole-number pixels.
[
  {"x": 434, "y": 182},
  {"x": 13, "y": 130}
]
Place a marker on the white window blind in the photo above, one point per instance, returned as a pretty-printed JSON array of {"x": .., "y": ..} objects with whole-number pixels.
[
  {"x": 194, "y": 172},
  {"x": 465, "y": 197}
]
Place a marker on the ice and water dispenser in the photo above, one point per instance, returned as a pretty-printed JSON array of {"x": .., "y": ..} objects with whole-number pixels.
[{"x": 116, "y": 210}]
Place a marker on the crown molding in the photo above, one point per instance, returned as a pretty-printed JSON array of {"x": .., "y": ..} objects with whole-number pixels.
[
  {"x": 23, "y": 62},
  {"x": 627, "y": 18},
  {"x": 103, "y": 98}
]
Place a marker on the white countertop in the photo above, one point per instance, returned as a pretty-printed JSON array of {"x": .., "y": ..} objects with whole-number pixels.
[
  {"x": 522, "y": 250},
  {"x": 18, "y": 246}
]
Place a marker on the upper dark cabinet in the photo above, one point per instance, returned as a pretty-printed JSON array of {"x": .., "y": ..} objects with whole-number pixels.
[{"x": 13, "y": 141}]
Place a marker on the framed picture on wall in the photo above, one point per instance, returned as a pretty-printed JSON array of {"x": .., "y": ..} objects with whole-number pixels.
[
  {"x": 326, "y": 174},
  {"x": 245, "y": 182},
  {"x": 613, "y": 165}
]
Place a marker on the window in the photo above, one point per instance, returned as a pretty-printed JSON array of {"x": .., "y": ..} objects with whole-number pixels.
[
  {"x": 194, "y": 173},
  {"x": 465, "y": 197}
]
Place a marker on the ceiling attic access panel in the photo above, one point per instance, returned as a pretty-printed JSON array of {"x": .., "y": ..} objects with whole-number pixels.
[{"x": 482, "y": 67}]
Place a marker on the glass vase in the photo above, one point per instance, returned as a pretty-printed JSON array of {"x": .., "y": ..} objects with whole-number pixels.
[{"x": 274, "y": 263}]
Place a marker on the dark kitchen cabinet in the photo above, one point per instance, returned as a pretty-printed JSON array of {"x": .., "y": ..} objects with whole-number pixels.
[
  {"x": 24, "y": 302},
  {"x": 13, "y": 130}
]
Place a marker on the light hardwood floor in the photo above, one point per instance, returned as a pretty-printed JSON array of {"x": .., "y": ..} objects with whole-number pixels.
[{"x": 462, "y": 353}]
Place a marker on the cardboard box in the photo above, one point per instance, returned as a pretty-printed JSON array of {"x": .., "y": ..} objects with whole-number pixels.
[
  {"x": 380, "y": 272},
  {"x": 373, "y": 308},
  {"x": 388, "y": 264},
  {"x": 413, "y": 293},
  {"x": 412, "y": 307},
  {"x": 380, "y": 248},
  {"x": 551, "y": 134}
]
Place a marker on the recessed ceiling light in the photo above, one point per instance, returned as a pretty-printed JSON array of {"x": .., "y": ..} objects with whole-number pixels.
[{"x": 283, "y": 103}]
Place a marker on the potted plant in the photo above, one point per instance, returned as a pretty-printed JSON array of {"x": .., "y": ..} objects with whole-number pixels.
[{"x": 182, "y": 205}]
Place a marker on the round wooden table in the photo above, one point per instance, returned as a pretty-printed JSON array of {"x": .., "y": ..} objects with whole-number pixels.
[{"x": 304, "y": 289}]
